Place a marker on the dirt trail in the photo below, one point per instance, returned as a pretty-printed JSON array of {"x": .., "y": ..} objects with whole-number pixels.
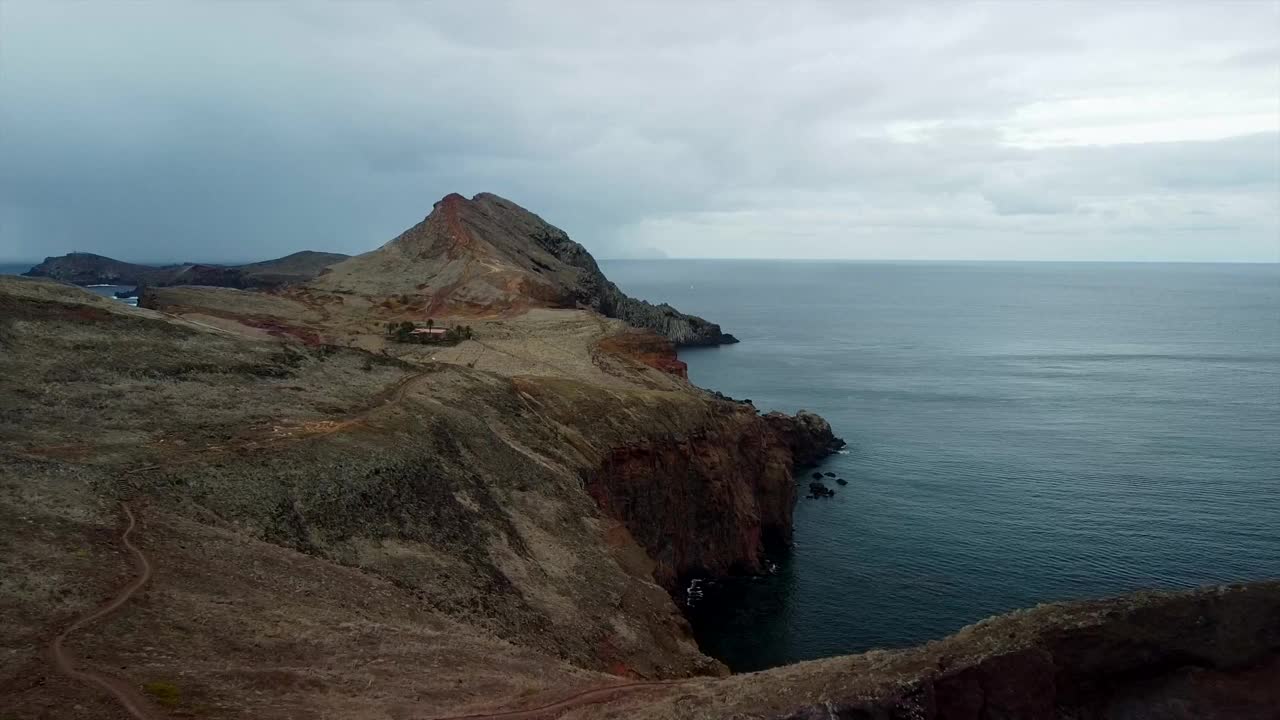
[
  {"x": 579, "y": 699},
  {"x": 124, "y": 692},
  {"x": 393, "y": 394}
]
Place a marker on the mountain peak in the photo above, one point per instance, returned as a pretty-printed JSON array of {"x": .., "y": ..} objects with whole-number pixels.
[{"x": 488, "y": 255}]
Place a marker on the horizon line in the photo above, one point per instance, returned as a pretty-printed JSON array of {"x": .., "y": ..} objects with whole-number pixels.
[
  {"x": 1174, "y": 261},
  {"x": 955, "y": 260}
]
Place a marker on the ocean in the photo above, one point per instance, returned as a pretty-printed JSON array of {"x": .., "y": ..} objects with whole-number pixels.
[{"x": 1018, "y": 433}]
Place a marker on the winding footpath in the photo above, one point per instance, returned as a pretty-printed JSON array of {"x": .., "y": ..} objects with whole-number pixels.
[{"x": 122, "y": 691}]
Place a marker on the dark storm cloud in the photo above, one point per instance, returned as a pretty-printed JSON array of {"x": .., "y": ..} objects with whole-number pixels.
[{"x": 167, "y": 131}]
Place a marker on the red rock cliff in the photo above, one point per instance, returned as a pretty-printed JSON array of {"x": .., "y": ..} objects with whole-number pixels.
[
  {"x": 704, "y": 502},
  {"x": 702, "y": 484}
]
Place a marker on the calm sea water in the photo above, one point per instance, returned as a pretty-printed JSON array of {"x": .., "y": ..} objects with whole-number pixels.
[{"x": 1018, "y": 433}]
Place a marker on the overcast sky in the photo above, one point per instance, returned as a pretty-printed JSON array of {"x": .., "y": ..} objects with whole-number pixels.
[{"x": 233, "y": 131}]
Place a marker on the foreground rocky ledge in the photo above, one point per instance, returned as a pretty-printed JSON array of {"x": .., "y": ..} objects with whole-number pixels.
[{"x": 1207, "y": 653}]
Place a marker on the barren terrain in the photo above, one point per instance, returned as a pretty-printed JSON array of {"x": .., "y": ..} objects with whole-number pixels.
[{"x": 248, "y": 504}]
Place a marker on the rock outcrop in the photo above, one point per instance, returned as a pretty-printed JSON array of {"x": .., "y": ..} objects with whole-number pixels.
[
  {"x": 487, "y": 255},
  {"x": 808, "y": 436},
  {"x": 706, "y": 501},
  {"x": 701, "y": 504},
  {"x": 648, "y": 348}
]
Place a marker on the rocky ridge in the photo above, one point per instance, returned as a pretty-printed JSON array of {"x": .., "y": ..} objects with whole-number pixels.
[
  {"x": 489, "y": 255},
  {"x": 89, "y": 269}
]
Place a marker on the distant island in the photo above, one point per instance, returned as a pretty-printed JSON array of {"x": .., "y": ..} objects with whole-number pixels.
[{"x": 82, "y": 268}]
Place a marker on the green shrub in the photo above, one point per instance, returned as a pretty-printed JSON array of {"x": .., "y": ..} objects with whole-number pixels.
[{"x": 164, "y": 693}]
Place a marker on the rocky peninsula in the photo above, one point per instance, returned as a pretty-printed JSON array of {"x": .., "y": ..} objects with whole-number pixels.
[{"x": 336, "y": 525}]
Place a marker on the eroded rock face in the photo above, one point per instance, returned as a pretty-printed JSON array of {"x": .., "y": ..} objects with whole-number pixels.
[
  {"x": 808, "y": 436},
  {"x": 709, "y": 501},
  {"x": 648, "y": 348},
  {"x": 703, "y": 503}
]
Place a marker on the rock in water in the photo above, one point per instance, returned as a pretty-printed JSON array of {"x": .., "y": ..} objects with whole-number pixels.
[{"x": 817, "y": 490}]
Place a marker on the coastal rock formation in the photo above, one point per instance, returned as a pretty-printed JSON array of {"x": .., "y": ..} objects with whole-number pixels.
[
  {"x": 89, "y": 269},
  {"x": 487, "y": 255},
  {"x": 820, "y": 490},
  {"x": 704, "y": 487},
  {"x": 808, "y": 435},
  {"x": 703, "y": 503},
  {"x": 648, "y": 348}
]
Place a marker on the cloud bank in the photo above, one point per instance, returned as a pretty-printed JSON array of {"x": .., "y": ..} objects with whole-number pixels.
[{"x": 236, "y": 131}]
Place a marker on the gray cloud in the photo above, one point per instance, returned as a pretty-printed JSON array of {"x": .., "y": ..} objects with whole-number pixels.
[{"x": 167, "y": 131}]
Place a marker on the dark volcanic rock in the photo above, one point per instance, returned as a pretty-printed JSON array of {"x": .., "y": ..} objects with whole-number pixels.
[
  {"x": 597, "y": 292},
  {"x": 841, "y": 481},
  {"x": 817, "y": 490},
  {"x": 807, "y": 434},
  {"x": 702, "y": 504}
]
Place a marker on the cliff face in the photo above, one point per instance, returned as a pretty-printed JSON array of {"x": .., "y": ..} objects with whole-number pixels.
[
  {"x": 702, "y": 503},
  {"x": 647, "y": 348},
  {"x": 808, "y": 436},
  {"x": 702, "y": 485},
  {"x": 590, "y": 288}
]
